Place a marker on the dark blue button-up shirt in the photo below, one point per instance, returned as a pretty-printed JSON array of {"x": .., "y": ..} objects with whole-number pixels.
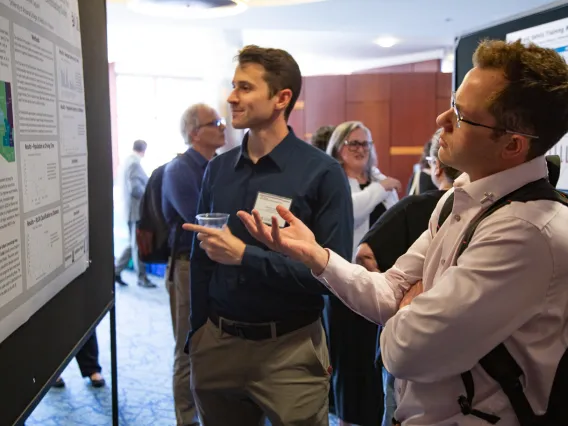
[
  {"x": 181, "y": 185},
  {"x": 268, "y": 286}
]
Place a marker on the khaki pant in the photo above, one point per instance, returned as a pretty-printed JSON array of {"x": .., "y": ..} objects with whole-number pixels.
[
  {"x": 238, "y": 382},
  {"x": 186, "y": 413}
]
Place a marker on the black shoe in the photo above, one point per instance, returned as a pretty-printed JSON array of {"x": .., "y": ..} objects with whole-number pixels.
[
  {"x": 98, "y": 383},
  {"x": 118, "y": 279},
  {"x": 146, "y": 283},
  {"x": 59, "y": 383}
]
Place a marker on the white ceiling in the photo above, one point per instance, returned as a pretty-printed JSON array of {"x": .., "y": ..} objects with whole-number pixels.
[{"x": 341, "y": 28}]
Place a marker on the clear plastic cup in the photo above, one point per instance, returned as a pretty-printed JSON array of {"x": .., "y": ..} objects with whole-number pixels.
[{"x": 213, "y": 220}]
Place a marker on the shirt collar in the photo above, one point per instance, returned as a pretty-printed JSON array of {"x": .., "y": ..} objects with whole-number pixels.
[
  {"x": 496, "y": 186},
  {"x": 279, "y": 155},
  {"x": 196, "y": 156}
]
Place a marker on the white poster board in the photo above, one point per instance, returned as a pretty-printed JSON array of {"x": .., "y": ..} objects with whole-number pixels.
[
  {"x": 555, "y": 36},
  {"x": 43, "y": 156}
]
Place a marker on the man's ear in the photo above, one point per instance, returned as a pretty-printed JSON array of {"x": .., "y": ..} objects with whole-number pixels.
[
  {"x": 284, "y": 97},
  {"x": 517, "y": 146},
  {"x": 193, "y": 135}
]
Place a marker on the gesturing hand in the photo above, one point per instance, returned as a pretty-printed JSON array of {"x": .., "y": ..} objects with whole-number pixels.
[{"x": 295, "y": 241}]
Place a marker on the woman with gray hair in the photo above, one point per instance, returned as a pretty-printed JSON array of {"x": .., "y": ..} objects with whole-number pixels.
[{"x": 356, "y": 383}]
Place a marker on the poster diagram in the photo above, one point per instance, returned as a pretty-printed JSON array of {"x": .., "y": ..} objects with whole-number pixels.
[{"x": 6, "y": 123}]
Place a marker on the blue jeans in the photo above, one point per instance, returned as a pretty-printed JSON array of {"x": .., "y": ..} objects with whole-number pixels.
[{"x": 390, "y": 402}]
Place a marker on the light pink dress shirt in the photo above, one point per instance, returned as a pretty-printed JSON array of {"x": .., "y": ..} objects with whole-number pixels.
[{"x": 510, "y": 285}]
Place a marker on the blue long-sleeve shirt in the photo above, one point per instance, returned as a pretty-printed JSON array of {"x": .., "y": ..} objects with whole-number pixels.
[
  {"x": 269, "y": 286},
  {"x": 181, "y": 185}
]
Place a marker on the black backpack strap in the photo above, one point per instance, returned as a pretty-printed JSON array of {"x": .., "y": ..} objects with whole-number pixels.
[
  {"x": 502, "y": 367},
  {"x": 556, "y": 410},
  {"x": 499, "y": 364},
  {"x": 175, "y": 248},
  {"x": 466, "y": 402},
  {"x": 538, "y": 190},
  {"x": 446, "y": 211}
]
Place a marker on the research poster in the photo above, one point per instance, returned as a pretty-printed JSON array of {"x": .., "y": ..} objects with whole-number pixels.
[
  {"x": 555, "y": 36},
  {"x": 43, "y": 156}
]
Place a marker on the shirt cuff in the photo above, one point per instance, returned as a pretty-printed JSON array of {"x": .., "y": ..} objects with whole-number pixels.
[
  {"x": 331, "y": 275},
  {"x": 253, "y": 257}
]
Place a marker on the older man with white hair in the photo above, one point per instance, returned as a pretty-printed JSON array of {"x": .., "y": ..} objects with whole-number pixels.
[{"x": 204, "y": 132}]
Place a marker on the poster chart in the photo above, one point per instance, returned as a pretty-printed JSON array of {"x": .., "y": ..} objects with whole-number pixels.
[
  {"x": 553, "y": 35},
  {"x": 43, "y": 156}
]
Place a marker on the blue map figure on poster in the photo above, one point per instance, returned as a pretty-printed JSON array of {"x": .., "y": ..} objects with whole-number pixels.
[{"x": 6, "y": 123}]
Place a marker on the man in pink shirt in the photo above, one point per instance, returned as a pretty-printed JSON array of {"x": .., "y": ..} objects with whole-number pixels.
[{"x": 442, "y": 314}]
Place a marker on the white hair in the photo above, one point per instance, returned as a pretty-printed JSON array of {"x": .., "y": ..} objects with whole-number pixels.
[
  {"x": 340, "y": 135},
  {"x": 190, "y": 121}
]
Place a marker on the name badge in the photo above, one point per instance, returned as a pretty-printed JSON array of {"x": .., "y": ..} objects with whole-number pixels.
[{"x": 266, "y": 206}]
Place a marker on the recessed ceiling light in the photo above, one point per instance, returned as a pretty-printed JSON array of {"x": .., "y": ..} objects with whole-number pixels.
[{"x": 386, "y": 41}]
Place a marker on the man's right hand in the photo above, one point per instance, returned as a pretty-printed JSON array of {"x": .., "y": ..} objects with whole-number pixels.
[
  {"x": 366, "y": 258},
  {"x": 391, "y": 183},
  {"x": 295, "y": 241}
]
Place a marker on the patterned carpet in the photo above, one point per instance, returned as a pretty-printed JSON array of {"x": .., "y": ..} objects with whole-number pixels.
[{"x": 145, "y": 346}]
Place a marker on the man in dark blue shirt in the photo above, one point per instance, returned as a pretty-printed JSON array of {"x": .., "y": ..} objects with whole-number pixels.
[
  {"x": 204, "y": 132},
  {"x": 257, "y": 346}
]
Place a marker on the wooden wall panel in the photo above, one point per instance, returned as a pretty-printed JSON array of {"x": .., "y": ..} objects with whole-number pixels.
[
  {"x": 434, "y": 65},
  {"x": 427, "y": 66},
  {"x": 368, "y": 87},
  {"x": 443, "y": 85},
  {"x": 376, "y": 116},
  {"x": 413, "y": 108},
  {"x": 324, "y": 101}
]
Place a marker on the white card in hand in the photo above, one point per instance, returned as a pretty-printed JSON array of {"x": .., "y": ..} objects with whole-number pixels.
[{"x": 266, "y": 206}]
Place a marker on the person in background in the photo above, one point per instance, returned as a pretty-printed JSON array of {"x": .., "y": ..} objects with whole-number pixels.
[
  {"x": 321, "y": 136},
  {"x": 356, "y": 384},
  {"x": 203, "y": 132},
  {"x": 257, "y": 345},
  {"x": 421, "y": 180},
  {"x": 88, "y": 360},
  {"x": 133, "y": 179},
  {"x": 393, "y": 234}
]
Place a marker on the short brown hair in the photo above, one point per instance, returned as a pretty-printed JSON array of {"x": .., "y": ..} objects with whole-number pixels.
[
  {"x": 535, "y": 100},
  {"x": 281, "y": 71}
]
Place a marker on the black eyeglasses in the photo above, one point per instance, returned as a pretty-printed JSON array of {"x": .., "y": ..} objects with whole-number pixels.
[
  {"x": 459, "y": 119},
  {"x": 215, "y": 123},
  {"x": 353, "y": 146}
]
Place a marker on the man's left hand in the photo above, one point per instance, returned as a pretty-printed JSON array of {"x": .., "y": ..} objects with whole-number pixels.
[{"x": 220, "y": 244}]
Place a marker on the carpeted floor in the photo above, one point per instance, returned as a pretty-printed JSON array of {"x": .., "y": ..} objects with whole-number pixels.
[{"x": 145, "y": 346}]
